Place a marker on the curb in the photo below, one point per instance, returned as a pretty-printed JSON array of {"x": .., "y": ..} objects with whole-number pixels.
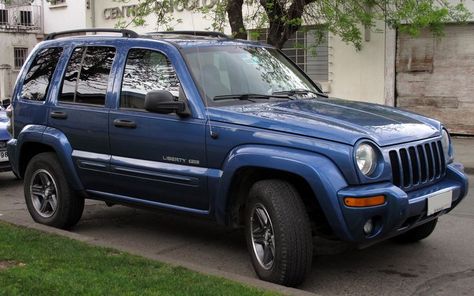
[{"x": 253, "y": 282}]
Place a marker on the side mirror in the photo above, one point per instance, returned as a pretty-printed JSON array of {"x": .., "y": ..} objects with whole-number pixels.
[{"x": 163, "y": 102}]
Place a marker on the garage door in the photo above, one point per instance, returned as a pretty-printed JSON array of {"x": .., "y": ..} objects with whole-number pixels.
[{"x": 435, "y": 76}]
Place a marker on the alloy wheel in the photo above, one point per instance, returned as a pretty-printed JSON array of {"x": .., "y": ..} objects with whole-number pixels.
[
  {"x": 263, "y": 236},
  {"x": 44, "y": 193}
]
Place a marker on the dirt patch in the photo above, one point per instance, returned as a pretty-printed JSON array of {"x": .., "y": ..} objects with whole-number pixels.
[{"x": 5, "y": 264}]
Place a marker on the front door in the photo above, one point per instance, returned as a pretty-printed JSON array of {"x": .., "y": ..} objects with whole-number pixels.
[{"x": 157, "y": 158}]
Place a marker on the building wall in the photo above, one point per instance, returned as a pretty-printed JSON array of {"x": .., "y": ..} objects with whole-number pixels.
[
  {"x": 435, "y": 76},
  {"x": 358, "y": 75},
  {"x": 8, "y": 41},
  {"x": 12, "y": 36},
  {"x": 68, "y": 16},
  {"x": 107, "y": 14}
]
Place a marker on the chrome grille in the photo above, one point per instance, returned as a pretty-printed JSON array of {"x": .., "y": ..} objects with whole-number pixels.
[{"x": 417, "y": 165}]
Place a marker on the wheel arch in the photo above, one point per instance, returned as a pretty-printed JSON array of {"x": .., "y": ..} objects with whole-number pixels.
[
  {"x": 50, "y": 140},
  {"x": 316, "y": 178},
  {"x": 243, "y": 181}
]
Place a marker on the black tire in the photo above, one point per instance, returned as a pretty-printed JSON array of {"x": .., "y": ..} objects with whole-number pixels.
[
  {"x": 69, "y": 205},
  {"x": 418, "y": 233},
  {"x": 293, "y": 246}
]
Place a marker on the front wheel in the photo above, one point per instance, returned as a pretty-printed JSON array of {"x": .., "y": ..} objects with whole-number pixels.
[
  {"x": 48, "y": 196},
  {"x": 278, "y": 233}
]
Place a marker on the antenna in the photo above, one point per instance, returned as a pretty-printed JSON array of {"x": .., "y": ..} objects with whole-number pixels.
[{"x": 211, "y": 132}]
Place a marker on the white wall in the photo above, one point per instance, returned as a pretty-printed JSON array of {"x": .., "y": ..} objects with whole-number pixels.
[
  {"x": 358, "y": 75},
  {"x": 8, "y": 41},
  {"x": 68, "y": 16}
]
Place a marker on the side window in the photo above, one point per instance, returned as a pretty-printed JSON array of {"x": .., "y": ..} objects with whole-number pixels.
[
  {"x": 38, "y": 78},
  {"x": 146, "y": 70},
  {"x": 87, "y": 76}
]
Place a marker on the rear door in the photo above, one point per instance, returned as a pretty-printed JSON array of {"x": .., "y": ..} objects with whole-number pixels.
[
  {"x": 156, "y": 157},
  {"x": 80, "y": 111}
]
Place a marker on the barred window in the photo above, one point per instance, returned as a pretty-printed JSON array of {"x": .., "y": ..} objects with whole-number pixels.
[
  {"x": 3, "y": 17},
  {"x": 56, "y": 2},
  {"x": 308, "y": 48},
  {"x": 19, "y": 55},
  {"x": 25, "y": 18}
]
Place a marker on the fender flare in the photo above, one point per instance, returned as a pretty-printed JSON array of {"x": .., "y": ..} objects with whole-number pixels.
[
  {"x": 53, "y": 138},
  {"x": 323, "y": 176}
]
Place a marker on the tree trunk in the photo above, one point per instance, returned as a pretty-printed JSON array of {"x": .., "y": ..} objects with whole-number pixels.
[
  {"x": 236, "y": 19},
  {"x": 281, "y": 30}
]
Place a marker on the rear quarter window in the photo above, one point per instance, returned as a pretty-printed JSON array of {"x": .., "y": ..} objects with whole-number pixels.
[{"x": 39, "y": 75}]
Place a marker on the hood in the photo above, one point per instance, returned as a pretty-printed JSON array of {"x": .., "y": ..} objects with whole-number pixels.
[{"x": 333, "y": 119}]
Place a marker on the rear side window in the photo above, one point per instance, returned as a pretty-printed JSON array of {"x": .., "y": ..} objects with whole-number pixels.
[
  {"x": 87, "y": 76},
  {"x": 38, "y": 77},
  {"x": 146, "y": 70}
]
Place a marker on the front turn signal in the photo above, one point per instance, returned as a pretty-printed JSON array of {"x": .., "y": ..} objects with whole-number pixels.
[{"x": 360, "y": 202}]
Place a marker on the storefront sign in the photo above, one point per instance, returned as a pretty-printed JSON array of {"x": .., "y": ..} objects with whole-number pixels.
[{"x": 127, "y": 11}]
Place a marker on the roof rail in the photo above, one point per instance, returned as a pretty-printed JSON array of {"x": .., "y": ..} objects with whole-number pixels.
[
  {"x": 125, "y": 33},
  {"x": 193, "y": 33}
]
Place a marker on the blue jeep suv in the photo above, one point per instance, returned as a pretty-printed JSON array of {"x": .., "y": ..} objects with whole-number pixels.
[{"x": 227, "y": 129}]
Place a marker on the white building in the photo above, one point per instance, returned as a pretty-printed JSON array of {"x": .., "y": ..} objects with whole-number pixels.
[
  {"x": 428, "y": 75},
  {"x": 20, "y": 29}
]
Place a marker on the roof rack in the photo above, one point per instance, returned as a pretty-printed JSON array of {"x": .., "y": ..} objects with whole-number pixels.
[
  {"x": 193, "y": 33},
  {"x": 125, "y": 33}
]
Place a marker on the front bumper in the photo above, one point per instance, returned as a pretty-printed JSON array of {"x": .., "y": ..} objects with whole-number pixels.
[
  {"x": 5, "y": 166},
  {"x": 402, "y": 211}
]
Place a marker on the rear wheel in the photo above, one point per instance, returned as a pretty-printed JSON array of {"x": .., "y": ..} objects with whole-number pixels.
[
  {"x": 48, "y": 196},
  {"x": 418, "y": 233},
  {"x": 278, "y": 233}
]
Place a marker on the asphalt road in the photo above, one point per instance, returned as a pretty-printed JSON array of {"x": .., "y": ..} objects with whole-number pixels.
[{"x": 443, "y": 264}]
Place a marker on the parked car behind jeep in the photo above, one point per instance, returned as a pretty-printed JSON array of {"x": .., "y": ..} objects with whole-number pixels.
[
  {"x": 4, "y": 137},
  {"x": 226, "y": 129}
]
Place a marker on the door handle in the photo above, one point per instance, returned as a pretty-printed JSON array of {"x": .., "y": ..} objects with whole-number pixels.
[
  {"x": 124, "y": 123},
  {"x": 58, "y": 115}
]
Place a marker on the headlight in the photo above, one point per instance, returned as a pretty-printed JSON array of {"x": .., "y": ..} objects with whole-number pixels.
[
  {"x": 446, "y": 143},
  {"x": 9, "y": 112},
  {"x": 366, "y": 159}
]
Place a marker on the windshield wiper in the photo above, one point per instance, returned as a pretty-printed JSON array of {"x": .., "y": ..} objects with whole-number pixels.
[
  {"x": 252, "y": 97},
  {"x": 301, "y": 91}
]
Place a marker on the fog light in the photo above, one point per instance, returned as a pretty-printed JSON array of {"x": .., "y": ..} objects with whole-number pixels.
[{"x": 369, "y": 227}]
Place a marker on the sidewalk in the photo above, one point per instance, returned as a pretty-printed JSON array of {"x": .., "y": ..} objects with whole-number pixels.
[{"x": 464, "y": 152}]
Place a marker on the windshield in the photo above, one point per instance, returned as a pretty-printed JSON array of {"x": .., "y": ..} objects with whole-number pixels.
[{"x": 227, "y": 71}]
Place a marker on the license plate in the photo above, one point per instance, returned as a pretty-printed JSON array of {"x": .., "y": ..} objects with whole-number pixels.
[
  {"x": 3, "y": 156},
  {"x": 439, "y": 202}
]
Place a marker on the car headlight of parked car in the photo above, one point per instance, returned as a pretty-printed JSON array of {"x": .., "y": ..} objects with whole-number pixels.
[
  {"x": 9, "y": 112},
  {"x": 447, "y": 147},
  {"x": 366, "y": 158}
]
